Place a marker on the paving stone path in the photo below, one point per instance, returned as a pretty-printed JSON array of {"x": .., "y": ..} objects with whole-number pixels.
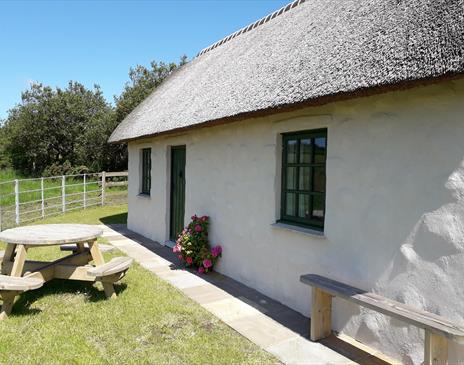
[{"x": 272, "y": 326}]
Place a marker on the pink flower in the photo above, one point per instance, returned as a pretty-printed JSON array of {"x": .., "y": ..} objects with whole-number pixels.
[
  {"x": 198, "y": 228},
  {"x": 189, "y": 260},
  {"x": 180, "y": 258},
  {"x": 194, "y": 217},
  {"x": 207, "y": 263},
  {"x": 216, "y": 251},
  {"x": 176, "y": 248},
  {"x": 201, "y": 269},
  {"x": 204, "y": 218}
]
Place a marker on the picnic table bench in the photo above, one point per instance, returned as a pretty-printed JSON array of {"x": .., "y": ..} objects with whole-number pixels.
[
  {"x": 438, "y": 330},
  {"x": 19, "y": 274}
]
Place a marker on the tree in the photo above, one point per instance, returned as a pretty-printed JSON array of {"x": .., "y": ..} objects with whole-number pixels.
[
  {"x": 49, "y": 126},
  {"x": 69, "y": 128}
]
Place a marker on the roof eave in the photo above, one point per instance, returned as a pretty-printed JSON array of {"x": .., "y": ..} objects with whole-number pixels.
[{"x": 318, "y": 101}]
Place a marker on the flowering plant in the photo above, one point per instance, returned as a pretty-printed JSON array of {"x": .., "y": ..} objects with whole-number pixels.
[{"x": 192, "y": 246}]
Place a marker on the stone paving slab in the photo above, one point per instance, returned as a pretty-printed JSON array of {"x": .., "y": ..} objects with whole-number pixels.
[
  {"x": 262, "y": 330},
  {"x": 301, "y": 351},
  {"x": 250, "y": 313}
]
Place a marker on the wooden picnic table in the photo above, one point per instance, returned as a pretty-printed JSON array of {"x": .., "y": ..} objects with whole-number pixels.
[{"x": 75, "y": 266}]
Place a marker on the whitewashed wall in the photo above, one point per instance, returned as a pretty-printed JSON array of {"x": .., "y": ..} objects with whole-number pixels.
[{"x": 395, "y": 212}]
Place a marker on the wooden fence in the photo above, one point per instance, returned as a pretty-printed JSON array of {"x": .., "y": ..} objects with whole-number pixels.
[{"x": 27, "y": 200}]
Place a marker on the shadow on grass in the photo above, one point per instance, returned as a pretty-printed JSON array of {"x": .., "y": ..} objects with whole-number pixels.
[
  {"x": 23, "y": 304},
  {"x": 114, "y": 219}
]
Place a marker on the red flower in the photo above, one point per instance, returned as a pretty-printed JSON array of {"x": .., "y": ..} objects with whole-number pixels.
[
  {"x": 216, "y": 251},
  {"x": 189, "y": 260},
  {"x": 207, "y": 263},
  {"x": 198, "y": 228},
  {"x": 201, "y": 270}
]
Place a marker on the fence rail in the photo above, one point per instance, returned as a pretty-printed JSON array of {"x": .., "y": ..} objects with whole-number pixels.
[{"x": 27, "y": 200}]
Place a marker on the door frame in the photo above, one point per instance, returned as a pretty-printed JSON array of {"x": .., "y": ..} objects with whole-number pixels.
[{"x": 171, "y": 195}]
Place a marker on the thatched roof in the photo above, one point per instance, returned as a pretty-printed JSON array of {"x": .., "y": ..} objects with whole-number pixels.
[{"x": 311, "y": 50}]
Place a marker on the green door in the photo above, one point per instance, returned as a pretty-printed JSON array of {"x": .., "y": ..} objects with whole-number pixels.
[{"x": 177, "y": 191}]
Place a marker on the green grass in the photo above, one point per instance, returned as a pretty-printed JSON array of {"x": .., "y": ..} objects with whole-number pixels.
[
  {"x": 114, "y": 214},
  {"x": 150, "y": 322},
  {"x": 9, "y": 174}
]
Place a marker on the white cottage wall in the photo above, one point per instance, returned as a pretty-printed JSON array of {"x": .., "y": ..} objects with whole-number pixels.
[{"x": 395, "y": 212}]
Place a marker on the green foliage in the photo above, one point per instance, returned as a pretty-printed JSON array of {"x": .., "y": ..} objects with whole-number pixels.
[
  {"x": 54, "y": 130},
  {"x": 51, "y": 126},
  {"x": 56, "y": 169}
]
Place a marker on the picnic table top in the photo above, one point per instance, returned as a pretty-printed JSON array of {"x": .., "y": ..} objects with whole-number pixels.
[{"x": 50, "y": 234}]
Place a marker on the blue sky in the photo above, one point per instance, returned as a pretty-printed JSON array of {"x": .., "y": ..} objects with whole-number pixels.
[{"x": 96, "y": 42}]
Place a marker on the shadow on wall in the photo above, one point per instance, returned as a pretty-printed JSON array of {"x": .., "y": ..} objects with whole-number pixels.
[{"x": 427, "y": 273}]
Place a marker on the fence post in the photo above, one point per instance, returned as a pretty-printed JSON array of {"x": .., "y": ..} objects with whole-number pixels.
[
  {"x": 85, "y": 191},
  {"x": 42, "y": 195},
  {"x": 103, "y": 186},
  {"x": 17, "y": 201},
  {"x": 63, "y": 193}
]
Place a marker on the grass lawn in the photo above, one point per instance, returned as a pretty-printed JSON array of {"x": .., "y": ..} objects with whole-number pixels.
[{"x": 150, "y": 322}]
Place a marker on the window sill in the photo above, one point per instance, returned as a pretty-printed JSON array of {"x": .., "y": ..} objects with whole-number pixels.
[
  {"x": 144, "y": 196},
  {"x": 306, "y": 231}
]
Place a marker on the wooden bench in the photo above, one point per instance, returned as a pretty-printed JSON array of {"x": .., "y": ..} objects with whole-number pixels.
[
  {"x": 74, "y": 248},
  {"x": 111, "y": 272},
  {"x": 10, "y": 286},
  {"x": 438, "y": 330}
]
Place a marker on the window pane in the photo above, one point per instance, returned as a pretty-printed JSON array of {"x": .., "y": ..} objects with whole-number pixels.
[
  {"x": 305, "y": 178},
  {"x": 291, "y": 151},
  {"x": 146, "y": 170},
  {"x": 318, "y": 207},
  {"x": 290, "y": 204},
  {"x": 319, "y": 149},
  {"x": 291, "y": 178},
  {"x": 305, "y": 150},
  {"x": 319, "y": 179},
  {"x": 303, "y": 206}
]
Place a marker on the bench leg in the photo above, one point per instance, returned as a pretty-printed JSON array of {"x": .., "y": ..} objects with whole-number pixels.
[
  {"x": 109, "y": 290},
  {"x": 8, "y": 256},
  {"x": 436, "y": 349},
  {"x": 98, "y": 260},
  {"x": 8, "y": 300},
  {"x": 108, "y": 282},
  {"x": 80, "y": 247},
  {"x": 19, "y": 260},
  {"x": 321, "y": 315}
]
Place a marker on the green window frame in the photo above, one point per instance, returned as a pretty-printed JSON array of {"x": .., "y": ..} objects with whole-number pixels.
[
  {"x": 304, "y": 156},
  {"x": 146, "y": 171}
]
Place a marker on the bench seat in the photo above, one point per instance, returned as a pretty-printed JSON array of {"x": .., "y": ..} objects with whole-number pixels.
[
  {"x": 117, "y": 265},
  {"x": 73, "y": 247},
  {"x": 392, "y": 308},
  {"x": 10, "y": 286},
  {"x": 437, "y": 329},
  {"x": 20, "y": 284}
]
